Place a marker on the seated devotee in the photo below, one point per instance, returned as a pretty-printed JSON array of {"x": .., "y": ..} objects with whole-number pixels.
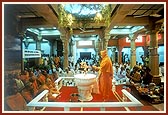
[
  {"x": 47, "y": 75},
  {"x": 127, "y": 76},
  {"x": 45, "y": 62},
  {"x": 53, "y": 68},
  {"x": 41, "y": 79},
  {"x": 116, "y": 71},
  {"x": 37, "y": 71},
  {"x": 11, "y": 88},
  {"x": 19, "y": 82},
  {"x": 53, "y": 92},
  {"x": 28, "y": 92},
  {"x": 121, "y": 76},
  {"x": 57, "y": 61},
  {"x": 61, "y": 73},
  {"x": 146, "y": 75},
  {"x": 41, "y": 83},
  {"x": 77, "y": 66},
  {"x": 72, "y": 70},
  {"x": 15, "y": 102},
  {"x": 31, "y": 90},
  {"x": 34, "y": 83},
  {"x": 46, "y": 82},
  {"x": 135, "y": 75},
  {"x": 24, "y": 76},
  {"x": 161, "y": 69},
  {"x": 68, "y": 72},
  {"x": 55, "y": 75}
]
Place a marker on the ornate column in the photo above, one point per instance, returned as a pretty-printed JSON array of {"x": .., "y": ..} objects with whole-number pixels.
[
  {"x": 100, "y": 42},
  {"x": 133, "y": 37},
  {"x": 38, "y": 47},
  {"x": 38, "y": 42},
  {"x": 74, "y": 50},
  {"x": 65, "y": 41},
  {"x": 97, "y": 45},
  {"x": 21, "y": 37},
  {"x": 153, "y": 55},
  {"x": 71, "y": 49},
  {"x": 113, "y": 55},
  {"x": 119, "y": 60},
  {"x": 106, "y": 39},
  {"x": 71, "y": 45}
]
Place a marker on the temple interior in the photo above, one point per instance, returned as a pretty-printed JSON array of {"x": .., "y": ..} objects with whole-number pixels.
[{"x": 49, "y": 50}]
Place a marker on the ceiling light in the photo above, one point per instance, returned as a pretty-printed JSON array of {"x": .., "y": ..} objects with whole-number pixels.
[
  {"x": 98, "y": 16},
  {"x": 155, "y": 15}
]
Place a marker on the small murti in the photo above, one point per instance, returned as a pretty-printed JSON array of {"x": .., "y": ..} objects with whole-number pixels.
[{"x": 84, "y": 83}]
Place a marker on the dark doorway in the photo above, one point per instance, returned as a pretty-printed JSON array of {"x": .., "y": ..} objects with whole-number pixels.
[{"x": 85, "y": 55}]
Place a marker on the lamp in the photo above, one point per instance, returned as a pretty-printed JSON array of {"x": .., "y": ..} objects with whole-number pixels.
[{"x": 98, "y": 17}]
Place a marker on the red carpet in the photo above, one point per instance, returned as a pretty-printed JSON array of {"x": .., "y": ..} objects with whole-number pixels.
[{"x": 65, "y": 96}]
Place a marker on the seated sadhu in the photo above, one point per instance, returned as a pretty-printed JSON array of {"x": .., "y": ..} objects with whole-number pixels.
[
  {"x": 105, "y": 75},
  {"x": 24, "y": 76},
  {"x": 34, "y": 83},
  {"x": 28, "y": 92},
  {"x": 52, "y": 90},
  {"x": 41, "y": 79}
]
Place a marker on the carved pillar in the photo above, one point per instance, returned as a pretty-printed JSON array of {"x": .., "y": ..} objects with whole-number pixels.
[
  {"x": 153, "y": 54},
  {"x": 99, "y": 47},
  {"x": 38, "y": 42},
  {"x": 133, "y": 37},
  {"x": 38, "y": 47},
  {"x": 119, "y": 60},
  {"x": 100, "y": 42},
  {"x": 113, "y": 55},
  {"x": 71, "y": 49},
  {"x": 154, "y": 57},
  {"x": 106, "y": 39},
  {"x": 74, "y": 50},
  {"x": 65, "y": 41},
  {"x": 21, "y": 37},
  {"x": 71, "y": 45}
]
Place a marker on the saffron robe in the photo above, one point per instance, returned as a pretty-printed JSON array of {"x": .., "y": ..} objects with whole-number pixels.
[{"x": 105, "y": 77}]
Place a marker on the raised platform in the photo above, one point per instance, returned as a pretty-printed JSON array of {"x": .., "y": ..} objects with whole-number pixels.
[{"x": 120, "y": 100}]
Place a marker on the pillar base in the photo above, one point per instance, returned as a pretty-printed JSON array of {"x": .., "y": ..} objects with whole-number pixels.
[{"x": 157, "y": 79}]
